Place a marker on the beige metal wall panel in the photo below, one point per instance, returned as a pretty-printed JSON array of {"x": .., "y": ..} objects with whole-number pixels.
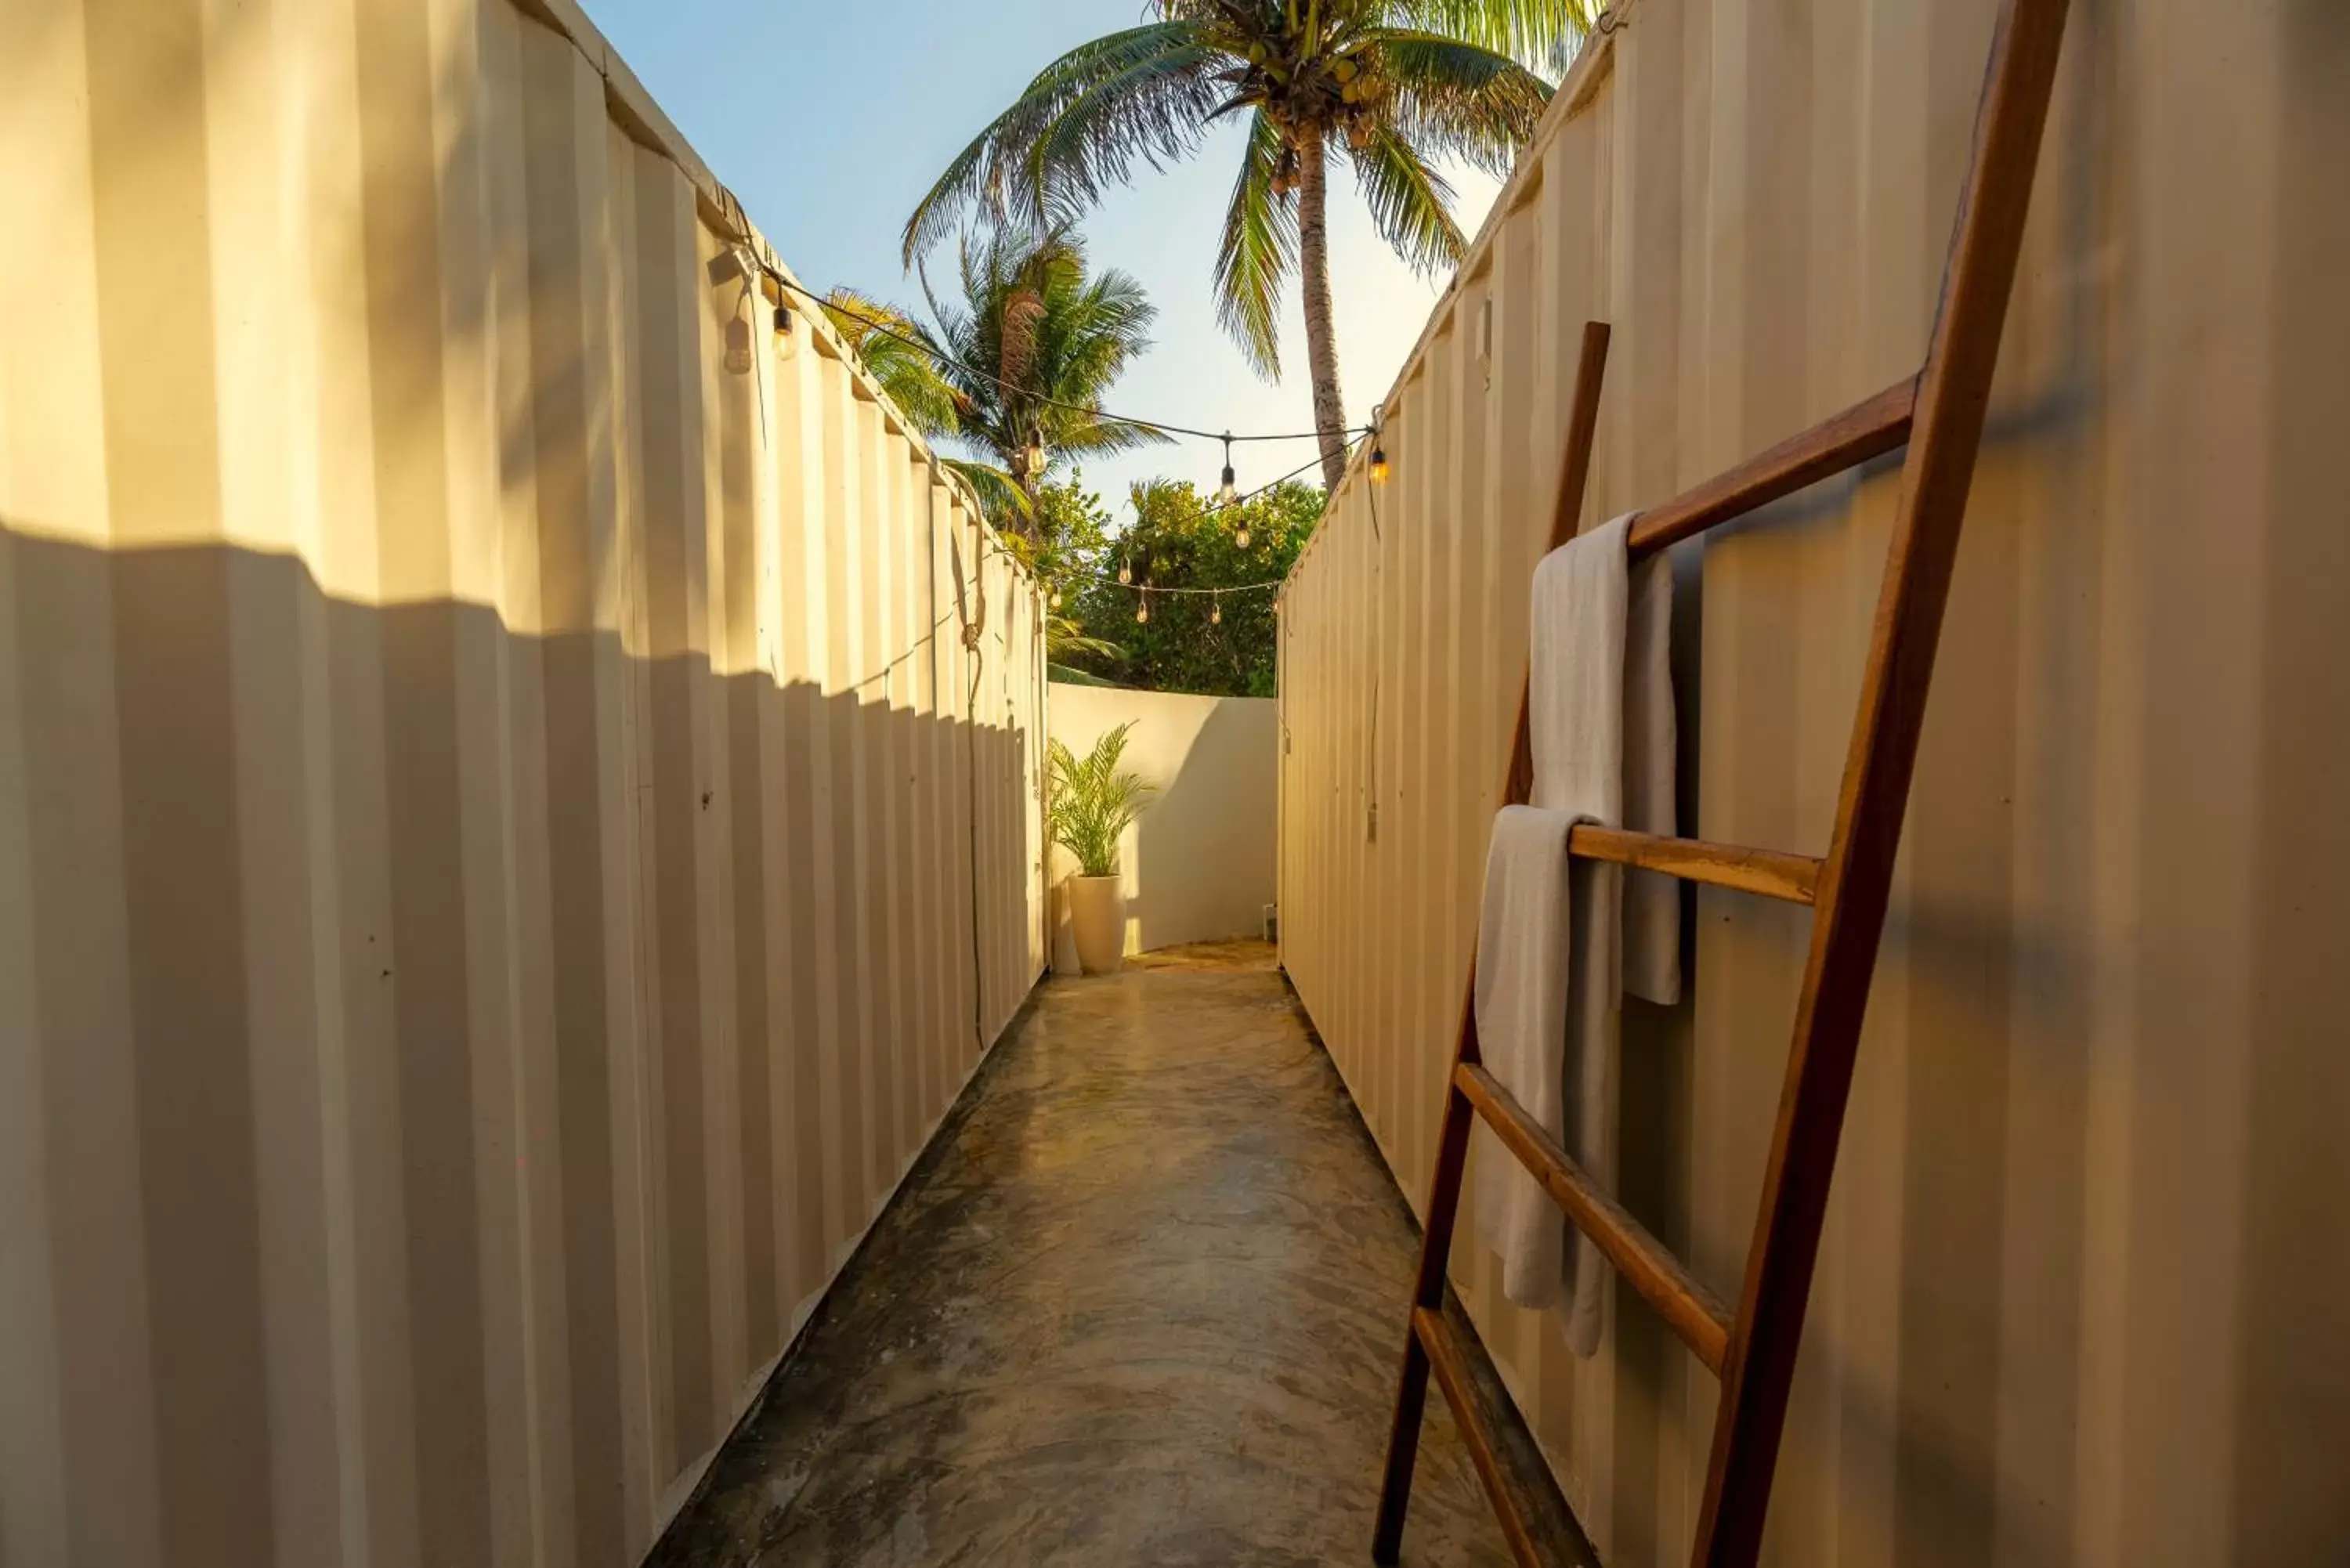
[
  {"x": 2081, "y": 1296},
  {"x": 506, "y": 851}
]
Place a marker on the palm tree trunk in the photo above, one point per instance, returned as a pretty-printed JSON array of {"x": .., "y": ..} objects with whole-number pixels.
[
  {"x": 1015, "y": 462},
  {"x": 1314, "y": 271}
]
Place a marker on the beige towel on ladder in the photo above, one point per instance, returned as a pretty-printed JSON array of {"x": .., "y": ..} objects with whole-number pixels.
[{"x": 1559, "y": 942}]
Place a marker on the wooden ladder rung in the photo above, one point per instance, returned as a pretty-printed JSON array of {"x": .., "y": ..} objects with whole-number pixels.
[
  {"x": 1446, "y": 1359},
  {"x": 1696, "y": 1314},
  {"x": 1768, "y": 872},
  {"x": 1868, "y": 429}
]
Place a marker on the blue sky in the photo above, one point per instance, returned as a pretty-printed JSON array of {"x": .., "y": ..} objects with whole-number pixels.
[{"x": 830, "y": 121}]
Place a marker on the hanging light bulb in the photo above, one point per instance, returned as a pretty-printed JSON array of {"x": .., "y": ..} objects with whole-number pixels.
[
  {"x": 1142, "y": 609},
  {"x": 1035, "y": 456},
  {"x": 1126, "y": 571},
  {"x": 786, "y": 339},
  {"x": 738, "y": 329},
  {"x": 1216, "y": 611},
  {"x": 1229, "y": 491},
  {"x": 1241, "y": 534},
  {"x": 1378, "y": 447},
  {"x": 1056, "y": 598}
]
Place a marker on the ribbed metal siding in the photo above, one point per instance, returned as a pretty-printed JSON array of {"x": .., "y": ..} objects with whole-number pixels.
[
  {"x": 504, "y": 851},
  {"x": 2083, "y": 1295}
]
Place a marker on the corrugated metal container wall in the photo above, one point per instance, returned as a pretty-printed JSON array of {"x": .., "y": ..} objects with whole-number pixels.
[
  {"x": 505, "y": 850},
  {"x": 2086, "y": 1283}
]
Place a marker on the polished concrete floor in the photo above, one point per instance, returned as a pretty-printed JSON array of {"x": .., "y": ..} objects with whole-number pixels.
[{"x": 1138, "y": 1303}]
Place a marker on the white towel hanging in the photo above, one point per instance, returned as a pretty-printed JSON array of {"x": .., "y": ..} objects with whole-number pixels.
[{"x": 1560, "y": 940}]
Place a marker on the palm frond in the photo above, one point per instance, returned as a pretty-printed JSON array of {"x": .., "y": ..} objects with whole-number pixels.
[
  {"x": 1540, "y": 34},
  {"x": 1064, "y": 637},
  {"x": 1258, "y": 251},
  {"x": 1154, "y": 113},
  {"x": 1000, "y": 499},
  {"x": 1083, "y": 439},
  {"x": 1411, "y": 203},
  {"x": 1146, "y": 82},
  {"x": 1090, "y": 801},
  {"x": 1461, "y": 100}
]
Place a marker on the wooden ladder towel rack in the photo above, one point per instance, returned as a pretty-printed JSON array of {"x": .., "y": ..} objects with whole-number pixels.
[{"x": 1940, "y": 416}]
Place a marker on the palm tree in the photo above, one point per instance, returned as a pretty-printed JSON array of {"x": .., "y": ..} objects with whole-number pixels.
[
  {"x": 1016, "y": 369},
  {"x": 1396, "y": 84}
]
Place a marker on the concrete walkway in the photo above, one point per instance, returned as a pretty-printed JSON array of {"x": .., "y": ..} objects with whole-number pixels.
[{"x": 1139, "y": 1302}]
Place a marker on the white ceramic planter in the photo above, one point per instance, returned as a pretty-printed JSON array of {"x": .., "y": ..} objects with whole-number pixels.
[{"x": 1097, "y": 911}]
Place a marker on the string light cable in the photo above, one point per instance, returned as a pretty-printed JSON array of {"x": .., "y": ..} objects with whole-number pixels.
[
  {"x": 1225, "y": 499},
  {"x": 1124, "y": 577},
  {"x": 932, "y": 352}
]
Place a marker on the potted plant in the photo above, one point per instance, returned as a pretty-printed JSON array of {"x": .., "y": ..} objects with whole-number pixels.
[{"x": 1093, "y": 801}]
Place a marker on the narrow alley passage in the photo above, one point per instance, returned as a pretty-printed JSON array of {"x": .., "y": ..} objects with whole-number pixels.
[{"x": 1138, "y": 1303}]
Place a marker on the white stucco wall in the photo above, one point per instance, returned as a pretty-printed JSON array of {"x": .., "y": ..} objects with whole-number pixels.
[{"x": 1200, "y": 864}]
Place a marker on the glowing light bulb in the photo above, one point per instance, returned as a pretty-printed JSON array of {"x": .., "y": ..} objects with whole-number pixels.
[
  {"x": 1126, "y": 571},
  {"x": 1379, "y": 464},
  {"x": 1056, "y": 598},
  {"x": 1216, "y": 613},
  {"x": 1228, "y": 492},
  {"x": 1142, "y": 612},
  {"x": 1241, "y": 536}
]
